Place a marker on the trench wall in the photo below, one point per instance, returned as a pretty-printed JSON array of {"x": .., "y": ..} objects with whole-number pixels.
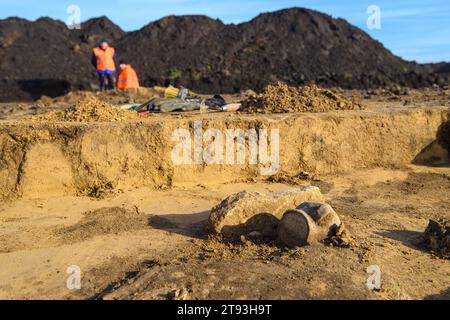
[{"x": 39, "y": 160}]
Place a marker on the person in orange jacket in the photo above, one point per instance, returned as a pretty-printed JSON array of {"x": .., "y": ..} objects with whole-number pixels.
[
  {"x": 104, "y": 60},
  {"x": 128, "y": 78}
]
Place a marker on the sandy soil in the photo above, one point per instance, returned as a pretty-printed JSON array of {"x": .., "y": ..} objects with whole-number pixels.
[
  {"x": 142, "y": 243},
  {"x": 159, "y": 242}
]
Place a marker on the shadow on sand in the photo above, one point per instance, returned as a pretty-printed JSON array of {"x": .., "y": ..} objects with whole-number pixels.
[
  {"x": 411, "y": 239},
  {"x": 444, "y": 295},
  {"x": 437, "y": 153},
  {"x": 190, "y": 225}
]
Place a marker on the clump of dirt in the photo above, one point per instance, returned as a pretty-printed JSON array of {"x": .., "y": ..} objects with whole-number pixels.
[
  {"x": 104, "y": 221},
  {"x": 101, "y": 190},
  {"x": 281, "y": 98},
  {"x": 341, "y": 238},
  {"x": 437, "y": 237},
  {"x": 89, "y": 109}
]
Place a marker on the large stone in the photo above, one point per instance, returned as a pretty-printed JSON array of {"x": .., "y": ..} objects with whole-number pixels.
[
  {"x": 247, "y": 212},
  {"x": 309, "y": 223}
]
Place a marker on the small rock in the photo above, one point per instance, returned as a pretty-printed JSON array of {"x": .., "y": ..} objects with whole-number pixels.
[{"x": 342, "y": 238}]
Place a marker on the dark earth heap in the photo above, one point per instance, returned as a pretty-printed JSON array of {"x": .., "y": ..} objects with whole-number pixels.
[{"x": 295, "y": 46}]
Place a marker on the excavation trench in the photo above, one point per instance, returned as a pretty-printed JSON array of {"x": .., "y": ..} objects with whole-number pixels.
[{"x": 46, "y": 159}]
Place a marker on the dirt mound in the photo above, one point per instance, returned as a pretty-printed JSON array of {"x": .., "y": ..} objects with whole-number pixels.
[
  {"x": 281, "y": 98},
  {"x": 294, "y": 45},
  {"x": 89, "y": 109},
  {"x": 113, "y": 96},
  {"x": 103, "y": 221}
]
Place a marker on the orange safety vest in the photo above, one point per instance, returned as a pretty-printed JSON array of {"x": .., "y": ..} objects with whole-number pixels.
[
  {"x": 105, "y": 59},
  {"x": 128, "y": 78}
]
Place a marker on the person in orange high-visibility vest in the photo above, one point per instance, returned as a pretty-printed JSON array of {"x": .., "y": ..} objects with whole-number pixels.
[
  {"x": 128, "y": 78},
  {"x": 104, "y": 60}
]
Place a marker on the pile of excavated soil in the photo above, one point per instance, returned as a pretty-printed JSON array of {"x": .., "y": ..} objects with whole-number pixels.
[
  {"x": 89, "y": 109},
  {"x": 281, "y": 98}
]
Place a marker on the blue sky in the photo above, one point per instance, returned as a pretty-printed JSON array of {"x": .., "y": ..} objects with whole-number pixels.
[{"x": 413, "y": 29}]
